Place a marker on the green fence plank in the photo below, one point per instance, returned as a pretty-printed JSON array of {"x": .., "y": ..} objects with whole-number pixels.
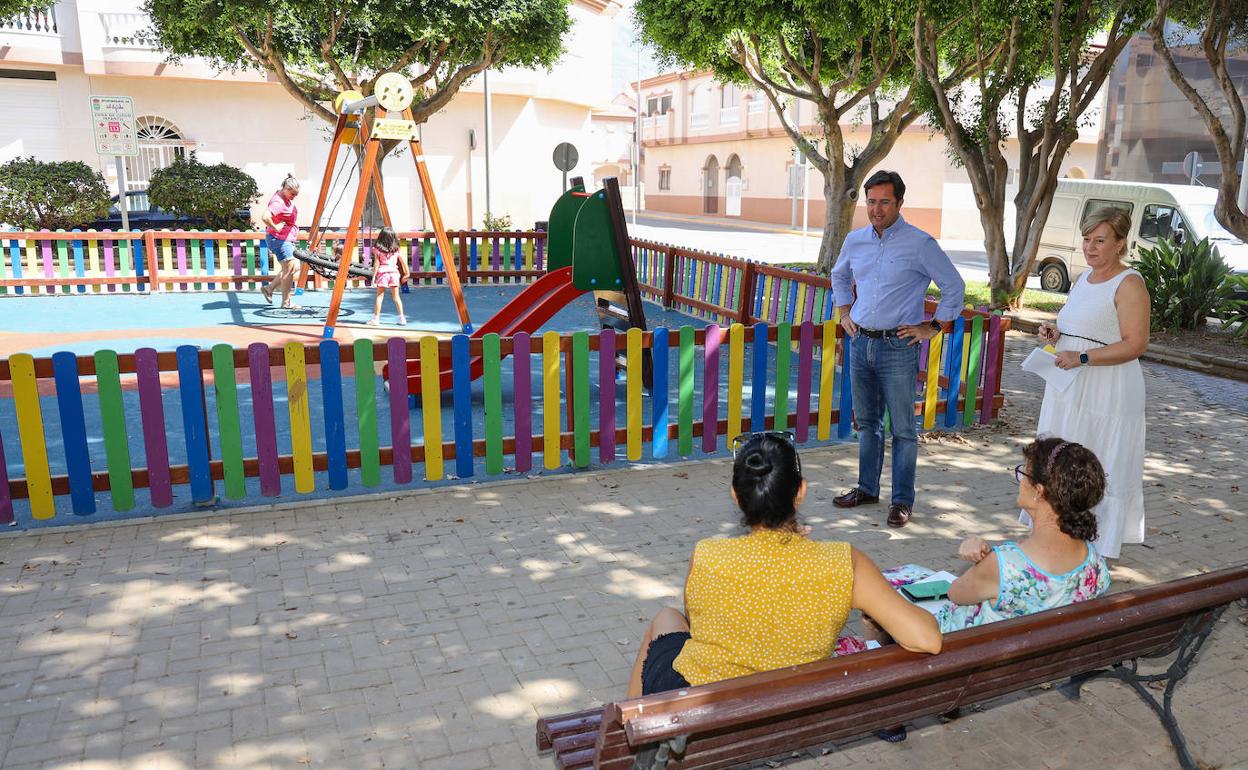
[
  {"x": 62, "y": 261},
  {"x": 366, "y": 413},
  {"x": 580, "y": 399},
  {"x": 973, "y": 366},
  {"x": 116, "y": 440},
  {"x": 197, "y": 267},
  {"x": 685, "y": 435},
  {"x": 784, "y": 348},
  {"x": 493, "y": 405},
  {"x": 229, "y": 423}
]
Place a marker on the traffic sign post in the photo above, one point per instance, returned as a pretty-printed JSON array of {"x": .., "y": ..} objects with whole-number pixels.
[
  {"x": 112, "y": 123},
  {"x": 1192, "y": 165},
  {"x": 565, "y": 158}
]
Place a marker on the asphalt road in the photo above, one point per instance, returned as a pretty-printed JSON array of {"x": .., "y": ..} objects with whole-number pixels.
[{"x": 775, "y": 244}]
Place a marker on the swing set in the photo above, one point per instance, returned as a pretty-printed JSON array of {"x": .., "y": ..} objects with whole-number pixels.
[{"x": 392, "y": 93}]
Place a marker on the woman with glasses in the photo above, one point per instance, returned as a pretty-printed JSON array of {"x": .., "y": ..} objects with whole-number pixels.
[
  {"x": 1057, "y": 564},
  {"x": 772, "y": 597}
]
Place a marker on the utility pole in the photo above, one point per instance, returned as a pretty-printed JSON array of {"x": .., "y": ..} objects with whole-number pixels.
[
  {"x": 489, "y": 121},
  {"x": 637, "y": 141},
  {"x": 797, "y": 119}
]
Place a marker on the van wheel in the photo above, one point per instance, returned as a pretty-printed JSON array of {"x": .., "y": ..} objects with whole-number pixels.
[{"x": 1053, "y": 277}]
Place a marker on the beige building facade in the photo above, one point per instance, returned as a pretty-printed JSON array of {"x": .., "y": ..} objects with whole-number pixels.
[
  {"x": 720, "y": 149},
  {"x": 50, "y": 63}
]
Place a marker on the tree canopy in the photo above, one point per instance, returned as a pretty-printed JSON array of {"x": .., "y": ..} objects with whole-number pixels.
[
  {"x": 1038, "y": 72},
  {"x": 317, "y": 49},
  {"x": 1222, "y": 34},
  {"x": 851, "y": 59}
]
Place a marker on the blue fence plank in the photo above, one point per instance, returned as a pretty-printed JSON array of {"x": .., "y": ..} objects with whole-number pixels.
[
  {"x": 335, "y": 419},
  {"x": 658, "y": 394},
  {"x": 758, "y": 387},
  {"x": 194, "y": 423},
  {"x": 74, "y": 432},
  {"x": 461, "y": 368}
]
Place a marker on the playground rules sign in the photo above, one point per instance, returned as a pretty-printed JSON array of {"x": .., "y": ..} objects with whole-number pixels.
[{"x": 112, "y": 122}]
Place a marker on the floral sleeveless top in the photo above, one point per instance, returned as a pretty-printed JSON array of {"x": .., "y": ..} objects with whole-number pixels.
[{"x": 1025, "y": 589}]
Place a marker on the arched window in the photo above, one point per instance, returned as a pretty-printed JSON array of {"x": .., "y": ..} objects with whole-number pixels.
[{"x": 160, "y": 141}]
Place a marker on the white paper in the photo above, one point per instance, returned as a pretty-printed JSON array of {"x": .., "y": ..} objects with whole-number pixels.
[{"x": 1044, "y": 363}]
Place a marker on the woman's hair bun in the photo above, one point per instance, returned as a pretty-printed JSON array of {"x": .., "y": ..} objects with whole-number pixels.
[{"x": 757, "y": 464}]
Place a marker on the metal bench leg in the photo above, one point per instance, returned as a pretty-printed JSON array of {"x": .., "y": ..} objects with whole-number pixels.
[
  {"x": 656, "y": 757},
  {"x": 1191, "y": 639}
]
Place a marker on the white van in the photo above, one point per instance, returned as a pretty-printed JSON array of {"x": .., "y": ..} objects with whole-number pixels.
[{"x": 1158, "y": 211}]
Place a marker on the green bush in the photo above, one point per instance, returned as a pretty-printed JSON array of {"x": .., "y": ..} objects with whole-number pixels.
[
  {"x": 1187, "y": 283},
  {"x": 1234, "y": 312},
  {"x": 49, "y": 196},
  {"x": 499, "y": 224},
  {"x": 214, "y": 194}
]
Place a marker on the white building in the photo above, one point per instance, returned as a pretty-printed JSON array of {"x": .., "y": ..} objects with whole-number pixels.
[{"x": 50, "y": 64}]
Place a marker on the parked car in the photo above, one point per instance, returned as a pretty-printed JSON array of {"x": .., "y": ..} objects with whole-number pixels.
[
  {"x": 145, "y": 216},
  {"x": 1158, "y": 212}
]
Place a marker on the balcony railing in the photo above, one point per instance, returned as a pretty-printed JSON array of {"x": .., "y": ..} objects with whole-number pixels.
[
  {"x": 699, "y": 120},
  {"x": 32, "y": 22},
  {"x": 127, "y": 30},
  {"x": 728, "y": 115}
]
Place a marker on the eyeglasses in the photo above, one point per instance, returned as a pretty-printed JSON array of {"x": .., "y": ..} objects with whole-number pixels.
[
  {"x": 784, "y": 435},
  {"x": 1019, "y": 473}
]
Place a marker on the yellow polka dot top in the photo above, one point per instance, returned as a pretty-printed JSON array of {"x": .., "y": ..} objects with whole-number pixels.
[{"x": 763, "y": 601}]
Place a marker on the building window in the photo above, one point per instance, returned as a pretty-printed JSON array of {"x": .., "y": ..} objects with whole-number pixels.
[
  {"x": 665, "y": 104},
  {"x": 160, "y": 141},
  {"x": 652, "y": 105},
  {"x": 758, "y": 102},
  {"x": 729, "y": 96},
  {"x": 699, "y": 108},
  {"x": 665, "y": 179}
]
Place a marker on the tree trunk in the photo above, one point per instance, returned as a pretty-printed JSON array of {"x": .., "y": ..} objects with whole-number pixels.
[
  {"x": 838, "y": 220},
  {"x": 992, "y": 217}
]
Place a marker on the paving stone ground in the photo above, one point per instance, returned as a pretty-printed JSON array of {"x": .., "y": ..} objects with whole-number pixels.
[{"x": 431, "y": 630}]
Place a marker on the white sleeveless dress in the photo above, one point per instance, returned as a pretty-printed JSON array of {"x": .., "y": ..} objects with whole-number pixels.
[{"x": 1103, "y": 410}]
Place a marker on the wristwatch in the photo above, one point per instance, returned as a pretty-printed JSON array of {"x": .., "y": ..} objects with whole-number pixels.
[
  {"x": 934, "y": 324},
  {"x": 1083, "y": 359}
]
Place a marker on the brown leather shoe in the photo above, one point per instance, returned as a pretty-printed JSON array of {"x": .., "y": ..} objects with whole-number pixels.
[
  {"x": 898, "y": 515},
  {"x": 854, "y": 497}
]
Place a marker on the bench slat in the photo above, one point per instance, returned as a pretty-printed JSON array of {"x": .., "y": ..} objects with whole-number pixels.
[{"x": 549, "y": 728}]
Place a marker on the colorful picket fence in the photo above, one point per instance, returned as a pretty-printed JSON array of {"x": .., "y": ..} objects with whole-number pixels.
[
  {"x": 84, "y": 262},
  {"x": 709, "y": 385}
]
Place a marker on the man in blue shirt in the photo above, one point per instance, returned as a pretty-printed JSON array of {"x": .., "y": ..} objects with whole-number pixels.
[{"x": 891, "y": 263}]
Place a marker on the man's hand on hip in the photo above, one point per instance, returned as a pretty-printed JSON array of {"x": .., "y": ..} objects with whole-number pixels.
[
  {"x": 848, "y": 325},
  {"x": 916, "y": 333}
]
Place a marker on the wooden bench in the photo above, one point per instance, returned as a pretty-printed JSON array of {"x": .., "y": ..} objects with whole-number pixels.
[{"x": 739, "y": 720}]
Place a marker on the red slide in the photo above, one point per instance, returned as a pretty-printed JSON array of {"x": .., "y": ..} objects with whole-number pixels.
[{"x": 525, "y": 313}]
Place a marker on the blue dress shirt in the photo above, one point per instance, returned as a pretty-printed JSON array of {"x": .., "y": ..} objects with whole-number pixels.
[{"x": 893, "y": 272}]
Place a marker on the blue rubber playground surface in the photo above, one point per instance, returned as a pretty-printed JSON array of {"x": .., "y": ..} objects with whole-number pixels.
[{"x": 126, "y": 322}]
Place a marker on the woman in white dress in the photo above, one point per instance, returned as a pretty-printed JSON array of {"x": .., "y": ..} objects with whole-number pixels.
[{"x": 1103, "y": 331}]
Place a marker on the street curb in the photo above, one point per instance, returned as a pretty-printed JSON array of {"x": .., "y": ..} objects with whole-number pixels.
[{"x": 1205, "y": 363}]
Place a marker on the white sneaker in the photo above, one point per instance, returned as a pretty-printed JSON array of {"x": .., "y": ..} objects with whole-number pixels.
[{"x": 373, "y": 322}]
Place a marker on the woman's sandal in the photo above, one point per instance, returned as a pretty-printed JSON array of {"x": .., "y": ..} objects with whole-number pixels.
[{"x": 268, "y": 294}]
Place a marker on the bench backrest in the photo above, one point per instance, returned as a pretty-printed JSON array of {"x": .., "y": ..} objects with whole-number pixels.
[{"x": 738, "y": 720}]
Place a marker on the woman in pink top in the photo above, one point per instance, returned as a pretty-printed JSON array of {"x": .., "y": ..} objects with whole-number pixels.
[
  {"x": 281, "y": 233},
  {"x": 388, "y": 271}
]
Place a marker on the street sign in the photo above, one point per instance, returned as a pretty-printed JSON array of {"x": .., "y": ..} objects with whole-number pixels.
[
  {"x": 1192, "y": 165},
  {"x": 112, "y": 123},
  {"x": 566, "y": 157}
]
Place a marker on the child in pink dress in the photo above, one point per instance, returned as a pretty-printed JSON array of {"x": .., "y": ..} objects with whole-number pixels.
[{"x": 388, "y": 266}]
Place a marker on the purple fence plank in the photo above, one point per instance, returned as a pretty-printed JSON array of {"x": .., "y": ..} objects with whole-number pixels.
[
  {"x": 606, "y": 396},
  {"x": 6, "y": 500},
  {"x": 265, "y": 420},
  {"x": 522, "y": 387},
  {"x": 992, "y": 369},
  {"x": 805, "y": 355},
  {"x": 710, "y": 391},
  {"x": 108, "y": 263},
  {"x": 776, "y": 286},
  {"x": 152, "y": 411},
  {"x": 400, "y": 415},
  {"x": 236, "y": 248},
  {"x": 809, "y": 312}
]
